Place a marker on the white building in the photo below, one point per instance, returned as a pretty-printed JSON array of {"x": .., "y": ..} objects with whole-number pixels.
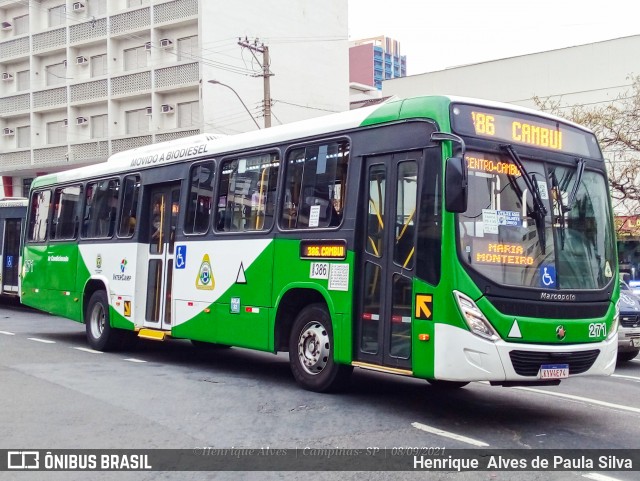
[
  {"x": 81, "y": 80},
  {"x": 581, "y": 75}
]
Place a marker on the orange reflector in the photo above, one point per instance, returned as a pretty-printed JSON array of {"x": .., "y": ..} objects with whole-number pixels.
[
  {"x": 423, "y": 337},
  {"x": 207, "y": 310}
]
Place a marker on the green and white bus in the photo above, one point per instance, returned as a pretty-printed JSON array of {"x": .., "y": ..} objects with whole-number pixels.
[{"x": 444, "y": 238}]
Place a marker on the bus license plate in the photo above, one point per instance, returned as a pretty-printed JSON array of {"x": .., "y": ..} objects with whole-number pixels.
[{"x": 553, "y": 371}]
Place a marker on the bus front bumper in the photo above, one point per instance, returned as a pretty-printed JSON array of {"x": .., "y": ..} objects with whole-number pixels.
[{"x": 463, "y": 356}]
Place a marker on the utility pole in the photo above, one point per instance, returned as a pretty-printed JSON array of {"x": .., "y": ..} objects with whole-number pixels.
[{"x": 266, "y": 73}]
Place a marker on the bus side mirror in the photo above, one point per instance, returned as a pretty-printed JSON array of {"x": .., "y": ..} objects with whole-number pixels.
[{"x": 455, "y": 185}]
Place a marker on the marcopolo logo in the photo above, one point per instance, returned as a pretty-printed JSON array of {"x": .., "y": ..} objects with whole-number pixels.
[{"x": 122, "y": 276}]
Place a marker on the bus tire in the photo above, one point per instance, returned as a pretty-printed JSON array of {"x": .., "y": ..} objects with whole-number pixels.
[
  {"x": 311, "y": 352},
  {"x": 627, "y": 355},
  {"x": 446, "y": 385},
  {"x": 100, "y": 335}
]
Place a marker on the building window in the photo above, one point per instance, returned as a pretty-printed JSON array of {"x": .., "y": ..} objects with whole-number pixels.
[
  {"x": 56, "y": 132},
  {"x": 23, "y": 80},
  {"x": 57, "y": 15},
  {"x": 99, "y": 65},
  {"x": 136, "y": 3},
  {"x": 56, "y": 73},
  {"x": 99, "y": 126},
  {"x": 187, "y": 48},
  {"x": 97, "y": 7},
  {"x": 136, "y": 121},
  {"x": 23, "y": 137},
  {"x": 188, "y": 114},
  {"x": 26, "y": 185},
  {"x": 21, "y": 25},
  {"x": 135, "y": 58}
]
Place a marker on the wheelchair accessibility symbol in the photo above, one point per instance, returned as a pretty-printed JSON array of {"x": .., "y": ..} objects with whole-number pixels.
[
  {"x": 181, "y": 257},
  {"x": 548, "y": 276}
]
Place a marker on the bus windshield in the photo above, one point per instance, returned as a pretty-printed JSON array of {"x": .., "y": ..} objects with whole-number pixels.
[{"x": 507, "y": 236}]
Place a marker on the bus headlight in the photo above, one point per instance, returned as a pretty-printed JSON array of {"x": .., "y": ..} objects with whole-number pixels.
[
  {"x": 474, "y": 317},
  {"x": 616, "y": 321}
]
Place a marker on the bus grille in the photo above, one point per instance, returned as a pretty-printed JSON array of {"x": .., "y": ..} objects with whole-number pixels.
[
  {"x": 527, "y": 363},
  {"x": 630, "y": 321}
]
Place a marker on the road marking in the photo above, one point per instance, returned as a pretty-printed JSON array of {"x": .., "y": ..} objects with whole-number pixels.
[
  {"x": 131, "y": 359},
  {"x": 599, "y": 477},
  {"x": 580, "y": 398},
  {"x": 446, "y": 434},
  {"x": 86, "y": 349},
  {"x": 635, "y": 378},
  {"x": 45, "y": 341},
  {"x": 7, "y": 333}
]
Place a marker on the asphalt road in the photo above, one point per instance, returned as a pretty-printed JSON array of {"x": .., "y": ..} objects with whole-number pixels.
[{"x": 58, "y": 394}]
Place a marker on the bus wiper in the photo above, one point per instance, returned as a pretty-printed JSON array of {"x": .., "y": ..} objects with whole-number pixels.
[
  {"x": 528, "y": 180},
  {"x": 539, "y": 211},
  {"x": 574, "y": 192}
]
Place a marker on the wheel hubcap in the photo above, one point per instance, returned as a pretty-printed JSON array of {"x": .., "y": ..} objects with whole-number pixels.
[
  {"x": 314, "y": 348},
  {"x": 97, "y": 321}
]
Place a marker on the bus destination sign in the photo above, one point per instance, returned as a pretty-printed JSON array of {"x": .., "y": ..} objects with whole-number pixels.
[
  {"x": 323, "y": 249},
  {"x": 522, "y": 128}
]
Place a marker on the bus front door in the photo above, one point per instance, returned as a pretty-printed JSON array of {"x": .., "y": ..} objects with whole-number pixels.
[
  {"x": 162, "y": 212},
  {"x": 387, "y": 263},
  {"x": 10, "y": 255}
]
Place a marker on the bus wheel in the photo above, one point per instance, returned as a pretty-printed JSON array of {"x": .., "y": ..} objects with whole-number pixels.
[
  {"x": 441, "y": 384},
  {"x": 627, "y": 356},
  {"x": 100, "y": 335},
  {"x": 311, "y": 352}
]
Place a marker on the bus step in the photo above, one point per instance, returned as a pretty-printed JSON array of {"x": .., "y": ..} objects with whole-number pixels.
[
  {"x": 152, "y": 334},
  {"x": 376, "y": 367}
]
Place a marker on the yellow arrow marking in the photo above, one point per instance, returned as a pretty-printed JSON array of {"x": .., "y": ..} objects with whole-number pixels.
[
  {"x": 127, "y": 308},
  {"x": 424, "y": 304}
]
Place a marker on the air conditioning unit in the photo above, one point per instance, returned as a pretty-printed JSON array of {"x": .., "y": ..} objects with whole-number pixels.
[
  {"x": 166, "y": 109},
  {"x": 81, "y": 121},
  {"x": 6, "y": 25},
  {"x": 65, "y": 122},
  {"x": 7, "y": 131},
  {"x": 7, "y": 77},
  {"x": 149, "y": 110},
  {"x": 147, "y": 46},
  {"x": 81, "y": 60},
  {"x": 78, "y": 7},
  {"x": 166, "y": 43}
]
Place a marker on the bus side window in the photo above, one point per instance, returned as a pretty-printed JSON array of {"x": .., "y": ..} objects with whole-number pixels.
[
  {"x": 315, "y": 186},
  {"x": 200, "y": 199},
  {"x": 99, "y": 217},
  {"x": 39, "y": 216},
  {"x": 247, "y": 193},
  {"x": 129, "y": 206},
  {"x": 65, "y": 213}
]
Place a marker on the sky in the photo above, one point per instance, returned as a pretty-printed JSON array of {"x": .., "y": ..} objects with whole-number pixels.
[{"x": 437, "y": 34}]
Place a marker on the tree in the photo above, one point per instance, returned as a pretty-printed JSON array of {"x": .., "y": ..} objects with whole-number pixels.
[{"x": 617, "y": 127}]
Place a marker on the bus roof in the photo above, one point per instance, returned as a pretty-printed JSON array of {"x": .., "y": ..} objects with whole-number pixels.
[{"x": 197, "y": 146}]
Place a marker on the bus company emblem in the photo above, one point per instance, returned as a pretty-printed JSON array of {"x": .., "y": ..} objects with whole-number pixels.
[
  {"x": 122, "y": 276},
  {"x": 205, "y": 280},
  {"x": 561, "y": 332}
]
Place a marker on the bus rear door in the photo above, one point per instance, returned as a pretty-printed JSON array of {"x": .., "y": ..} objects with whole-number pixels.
[{"x": 162, "y": 212}]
